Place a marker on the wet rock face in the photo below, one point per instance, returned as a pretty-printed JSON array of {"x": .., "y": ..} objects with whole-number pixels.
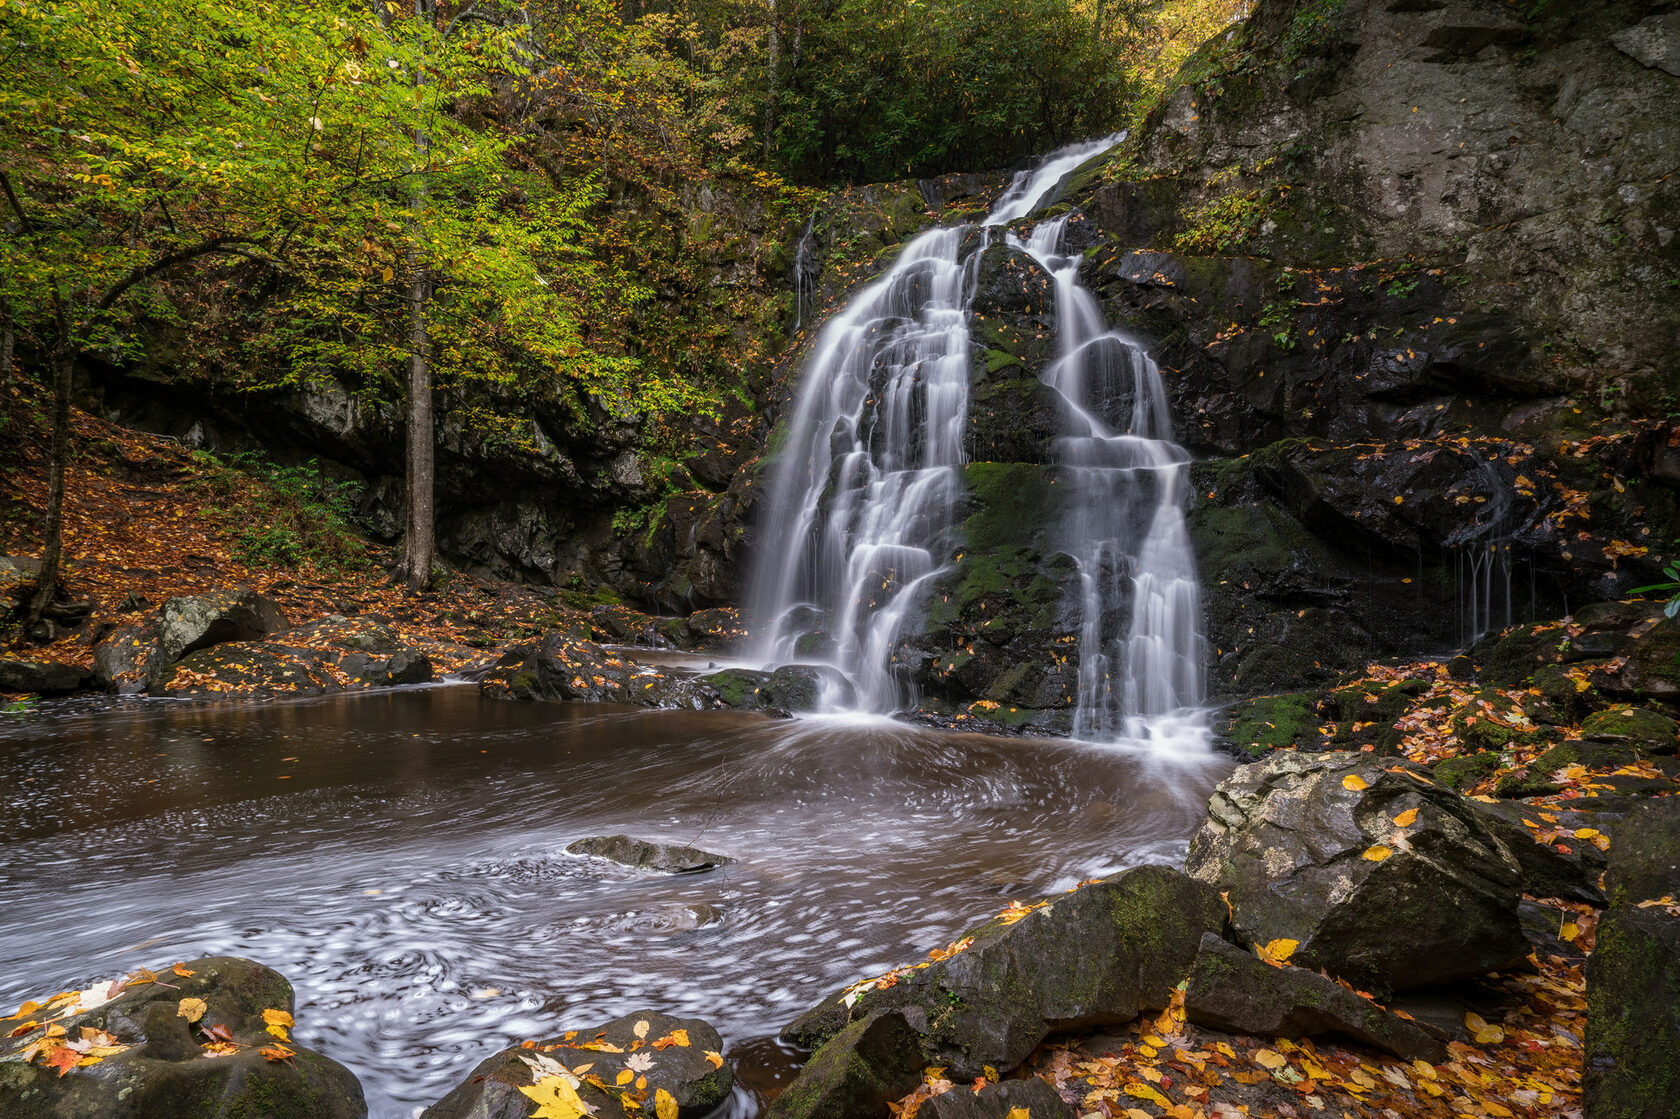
[
  {"x": 1096, "y": 956},
  {"x": 136, "y": 657},
  {"x": 41, "y": 677},
  {"x": 678, "y": 1057},
  {"x": 1377, "y": 874},
  {"x": 166, "y": 1070}
]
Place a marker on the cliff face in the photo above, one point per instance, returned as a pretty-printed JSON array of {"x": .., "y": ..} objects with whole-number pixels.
[{"x": 1411, "y": 270}]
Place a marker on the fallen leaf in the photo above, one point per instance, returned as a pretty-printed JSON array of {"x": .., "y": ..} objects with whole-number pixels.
[
  {"x": 715, "y": 1057},
  {"x": 555, "y": 1099},
  {"x": 624, "y": 1077},
  {"x": 191, "y": 1009},
  {"x": 639, "y": 1062},
  {"x": 1018, "y": 1113},
  {"x": 1406, "y": 819},
  {"x": 1484, "y": 1033},
  {"x": 63, "y": 1058},
  {"x": 183, "y": 970},
  {"x": 1376, "y": 853},
  {"x": 1270, "y": 1058},
  {"x": 1355, "y": 782},
  {"x": 664, "y": 1104},
  {"x": 1280, "y": 949},
  {"x": 275, "y": 1052},
  {"x": 641, "y": 1029}
]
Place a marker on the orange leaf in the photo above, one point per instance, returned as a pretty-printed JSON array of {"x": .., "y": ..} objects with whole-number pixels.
[{"x": 1407, "y": 818}]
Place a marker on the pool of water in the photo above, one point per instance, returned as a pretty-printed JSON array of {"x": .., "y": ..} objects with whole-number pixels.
[{"x": 399, "y": 856}]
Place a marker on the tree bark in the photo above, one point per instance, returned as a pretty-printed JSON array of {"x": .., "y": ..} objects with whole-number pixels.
[
  {"x": 773, "y": 48},
  {"x": 8, "y": 341},
  {"x": 52, "y": 542},
  {"x": 419, "y": 542}
]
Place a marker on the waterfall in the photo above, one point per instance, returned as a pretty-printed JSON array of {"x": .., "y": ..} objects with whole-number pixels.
[{"x": 868, "y": 475}]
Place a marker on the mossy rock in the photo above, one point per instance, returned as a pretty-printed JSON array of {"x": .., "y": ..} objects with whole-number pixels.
[
  {"x": 1269, "y": 723},
  {"x": 1633, "y": 1016},
  {"x": 1492, "y": 727},
  {"x": 1465, "y": 770},
  {"x": 1641, "y": 728}
]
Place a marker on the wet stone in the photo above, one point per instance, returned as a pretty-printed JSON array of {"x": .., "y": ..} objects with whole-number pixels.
[{"x": 642, "y": 855}]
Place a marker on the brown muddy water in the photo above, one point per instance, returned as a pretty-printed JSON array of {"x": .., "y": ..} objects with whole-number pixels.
[{"x": 399, "y": 856}]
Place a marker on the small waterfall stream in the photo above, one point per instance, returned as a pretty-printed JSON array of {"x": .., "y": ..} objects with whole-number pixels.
[{"x": 867, "y": 480}]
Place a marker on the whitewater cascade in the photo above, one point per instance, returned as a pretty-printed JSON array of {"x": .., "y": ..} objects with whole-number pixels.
[{"x": 868, "y": 477}]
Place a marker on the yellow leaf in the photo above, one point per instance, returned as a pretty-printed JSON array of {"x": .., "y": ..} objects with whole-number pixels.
[
  {"x": 1355, "y": 782},
  {"x": 624, "y": 1077},
  {"x": 1569, "y": 931},
  {"x": 1225, "y": 1049},
  {"x": 1145, "y": 1092},
  {"x": 1398, "y": 500},
  {"x": 386, "y": 274},
  {"x": 1484, "y": 1033},
  {"x": 1406, "y": 819},
  {"x": 278, "y": 1018},
  {"x": 1281, "y": 949},
  {"x": 183, "y": 970},
  {"x": 1585, "y": 833},
  {"x": 1136, "y": 1113},
  {"x": 555, "y": 1099},
  {"x": 1270, "y": 1058},
  {"x": 1018, "y": 1113},
  {"x": 664, "y": 1104},
  {"x": 680, "y": 1037},
  {"x": 191, "y": 1009},
  {"x": 715, "y": 1057},
  {"x": 1377, "y": 853}
]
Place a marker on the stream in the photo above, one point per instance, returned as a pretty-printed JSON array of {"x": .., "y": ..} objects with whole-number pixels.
[{"x": 399, "y": 856}]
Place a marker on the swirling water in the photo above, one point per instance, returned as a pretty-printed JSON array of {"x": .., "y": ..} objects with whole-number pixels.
[{"x": 400, "y": 857}]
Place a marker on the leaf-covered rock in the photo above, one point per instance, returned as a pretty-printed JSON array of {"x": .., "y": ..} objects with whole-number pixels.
[
  {"x": 623, "y": 1068},
  {"x": 193, "y": 1044},
  {"x": 1380, "y": 875}
]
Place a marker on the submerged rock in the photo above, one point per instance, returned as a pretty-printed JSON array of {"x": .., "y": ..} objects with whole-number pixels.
[
  {"x": 678, "y": 1057},
  {"x": 1099, "y": 955},
  {"x": 1234, "y": 990},
  {"x": 642, "y": 855},
  {"x": 167, "y": 1067},
  {"x": 1378, "y": 874}
]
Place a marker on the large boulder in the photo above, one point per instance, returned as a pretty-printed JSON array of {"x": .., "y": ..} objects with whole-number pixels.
[
  {"x": 208, "y": 1043},
  {"x": 868, "y": 1064},
  {"x": 1377, "y": 874},
  {"x": 624, "y": 1068},
  {"x": 1644, "y": 861},
  {"x": 1233, "y": 990},
  {"x": 134, "y": 657},
  {"x": 1633, "y": 1015},
  {"x": 1098, "y": 955}
]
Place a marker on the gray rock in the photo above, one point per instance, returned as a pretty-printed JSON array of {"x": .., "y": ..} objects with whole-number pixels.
[
  {"x": 134, "y": 658},
  {"x": 642, "y": 855},
  {"x": 1307, "y": 849},
  {"x": 1099, "y": 955},
  {"x": 166, "y": 1072},
  {"x": 1234, "y": 990},
  {"x": 996, "y": 1101},
  {"x": 42, "y": 677},
  {"x": 687, "y": 1072},
  {"x": 1653, "y": 41},
  {"x": 1633, "y": 1016},
  {"x": 1547, "y": 872}
]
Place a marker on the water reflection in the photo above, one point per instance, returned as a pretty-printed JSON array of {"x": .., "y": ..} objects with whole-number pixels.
[{"x": 400, "y": 857}]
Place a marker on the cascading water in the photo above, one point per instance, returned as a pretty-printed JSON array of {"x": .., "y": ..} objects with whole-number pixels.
[{"x": 868, "y": 477}]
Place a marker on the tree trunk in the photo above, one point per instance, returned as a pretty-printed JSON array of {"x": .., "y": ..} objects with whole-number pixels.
[
  {"x": 419, "y": 543},
  {"x": 52, "y": 543},
  {"x": 8, "y": 341}
]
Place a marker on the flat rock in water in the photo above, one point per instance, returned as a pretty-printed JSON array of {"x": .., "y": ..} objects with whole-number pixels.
[
  {"x": 1032, "y": 1096},
  {"x": 1377, "y": 873},
  {"x": 654, "y": 1054},
  {"x": 167, "y": 1067},
  {"x": 1234, "y": 990},
  {"x": 642, "y": 855},
  {"x": 1098, "y": 955}
]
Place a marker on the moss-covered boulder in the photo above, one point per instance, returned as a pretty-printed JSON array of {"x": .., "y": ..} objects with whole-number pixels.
[
  {"x": 1098, "y": 955},
  {"x": 1378, "y": 874},
  {"x": 663, "y": 1055},
  {"x": 1640, "y": 728},
  {"x": 160, "y": 1056},
  {"x": 1633, "y": 1016},
  {"x": 1465, "y": 770},
  {"x": 857, "y": 1072},
  {"x": 1266, "y": 723},
  {"x": 1234, "y": 990}
]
